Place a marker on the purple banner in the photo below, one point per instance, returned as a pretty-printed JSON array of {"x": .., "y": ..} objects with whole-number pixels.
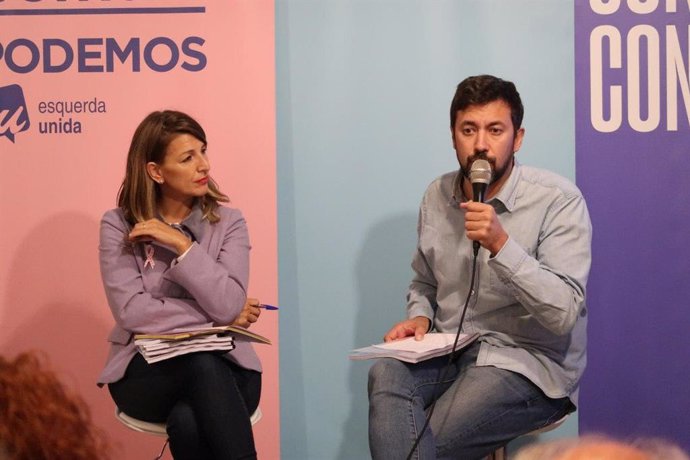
[{"x": 632, "y": 63}]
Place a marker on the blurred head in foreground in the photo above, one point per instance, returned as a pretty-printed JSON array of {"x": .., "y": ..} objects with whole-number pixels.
[
  {"x": 602, "y": 448},
  {"x": 40, "y": 418}
]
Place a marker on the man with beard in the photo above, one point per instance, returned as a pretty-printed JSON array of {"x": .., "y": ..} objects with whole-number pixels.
[{"x": 527, "y": 301}]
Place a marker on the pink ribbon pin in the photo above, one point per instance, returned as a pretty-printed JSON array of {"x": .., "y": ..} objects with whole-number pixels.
[{"x": 148, "y": 250}]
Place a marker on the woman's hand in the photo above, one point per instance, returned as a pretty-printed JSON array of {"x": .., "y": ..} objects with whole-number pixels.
[
  {"x": 154, "y": 229},
  {"x": 249, "y": 314}
]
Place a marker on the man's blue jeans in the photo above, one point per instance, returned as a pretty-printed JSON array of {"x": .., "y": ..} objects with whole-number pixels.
[{"x": 480, "y": 408}]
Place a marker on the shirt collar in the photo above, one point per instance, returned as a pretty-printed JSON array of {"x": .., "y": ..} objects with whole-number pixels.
[
  {"x": 457, "y": 196},
  {"x": 508, "y": 192}
]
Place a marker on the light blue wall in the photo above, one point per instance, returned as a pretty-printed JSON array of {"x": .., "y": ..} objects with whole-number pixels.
[{"x": 363, "y": 89}]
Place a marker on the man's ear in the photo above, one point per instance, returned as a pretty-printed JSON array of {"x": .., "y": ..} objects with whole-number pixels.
[
  {"x": 154, "y": 172},
  {"x": 517, "y": 142}
]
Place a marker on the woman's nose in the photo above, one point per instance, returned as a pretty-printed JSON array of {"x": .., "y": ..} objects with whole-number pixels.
[{"x": 203, "y": 164}]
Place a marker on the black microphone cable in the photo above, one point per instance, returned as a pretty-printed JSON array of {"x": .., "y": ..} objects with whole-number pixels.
[{"x": 451, "y": 358}]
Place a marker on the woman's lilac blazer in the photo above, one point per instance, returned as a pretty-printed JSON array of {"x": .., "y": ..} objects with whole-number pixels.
[{"x": 150, "y": 291}]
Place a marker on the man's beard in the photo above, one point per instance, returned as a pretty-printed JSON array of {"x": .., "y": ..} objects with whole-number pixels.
[{"x": 496, "y": 173}]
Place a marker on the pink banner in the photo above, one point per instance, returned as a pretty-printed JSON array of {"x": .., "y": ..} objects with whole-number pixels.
[{"x": 76, "y": 77}]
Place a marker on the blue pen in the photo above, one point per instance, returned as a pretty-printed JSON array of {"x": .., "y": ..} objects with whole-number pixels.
[{"x": 267, "y": 307}]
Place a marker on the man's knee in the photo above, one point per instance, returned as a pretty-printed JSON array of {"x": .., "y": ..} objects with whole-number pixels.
[{"x": 385, "y": 373}]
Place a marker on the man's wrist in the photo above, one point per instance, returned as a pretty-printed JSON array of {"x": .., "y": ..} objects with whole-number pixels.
[{"x": 498, "y": 245}]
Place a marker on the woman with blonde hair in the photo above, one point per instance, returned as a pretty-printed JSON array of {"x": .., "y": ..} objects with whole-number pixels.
[{"x": 172, "y": 257}]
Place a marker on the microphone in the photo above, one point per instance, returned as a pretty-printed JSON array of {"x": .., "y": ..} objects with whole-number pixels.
[{"x": 480, "y": 177}]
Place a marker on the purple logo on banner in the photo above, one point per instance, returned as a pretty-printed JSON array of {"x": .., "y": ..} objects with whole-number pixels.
[{"x": 14, "y": 116}]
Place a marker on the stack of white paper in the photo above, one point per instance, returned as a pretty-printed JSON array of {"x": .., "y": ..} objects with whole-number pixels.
[
  {"x": 412, "y": 351},
  {"x": 154, "y": 350}
]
